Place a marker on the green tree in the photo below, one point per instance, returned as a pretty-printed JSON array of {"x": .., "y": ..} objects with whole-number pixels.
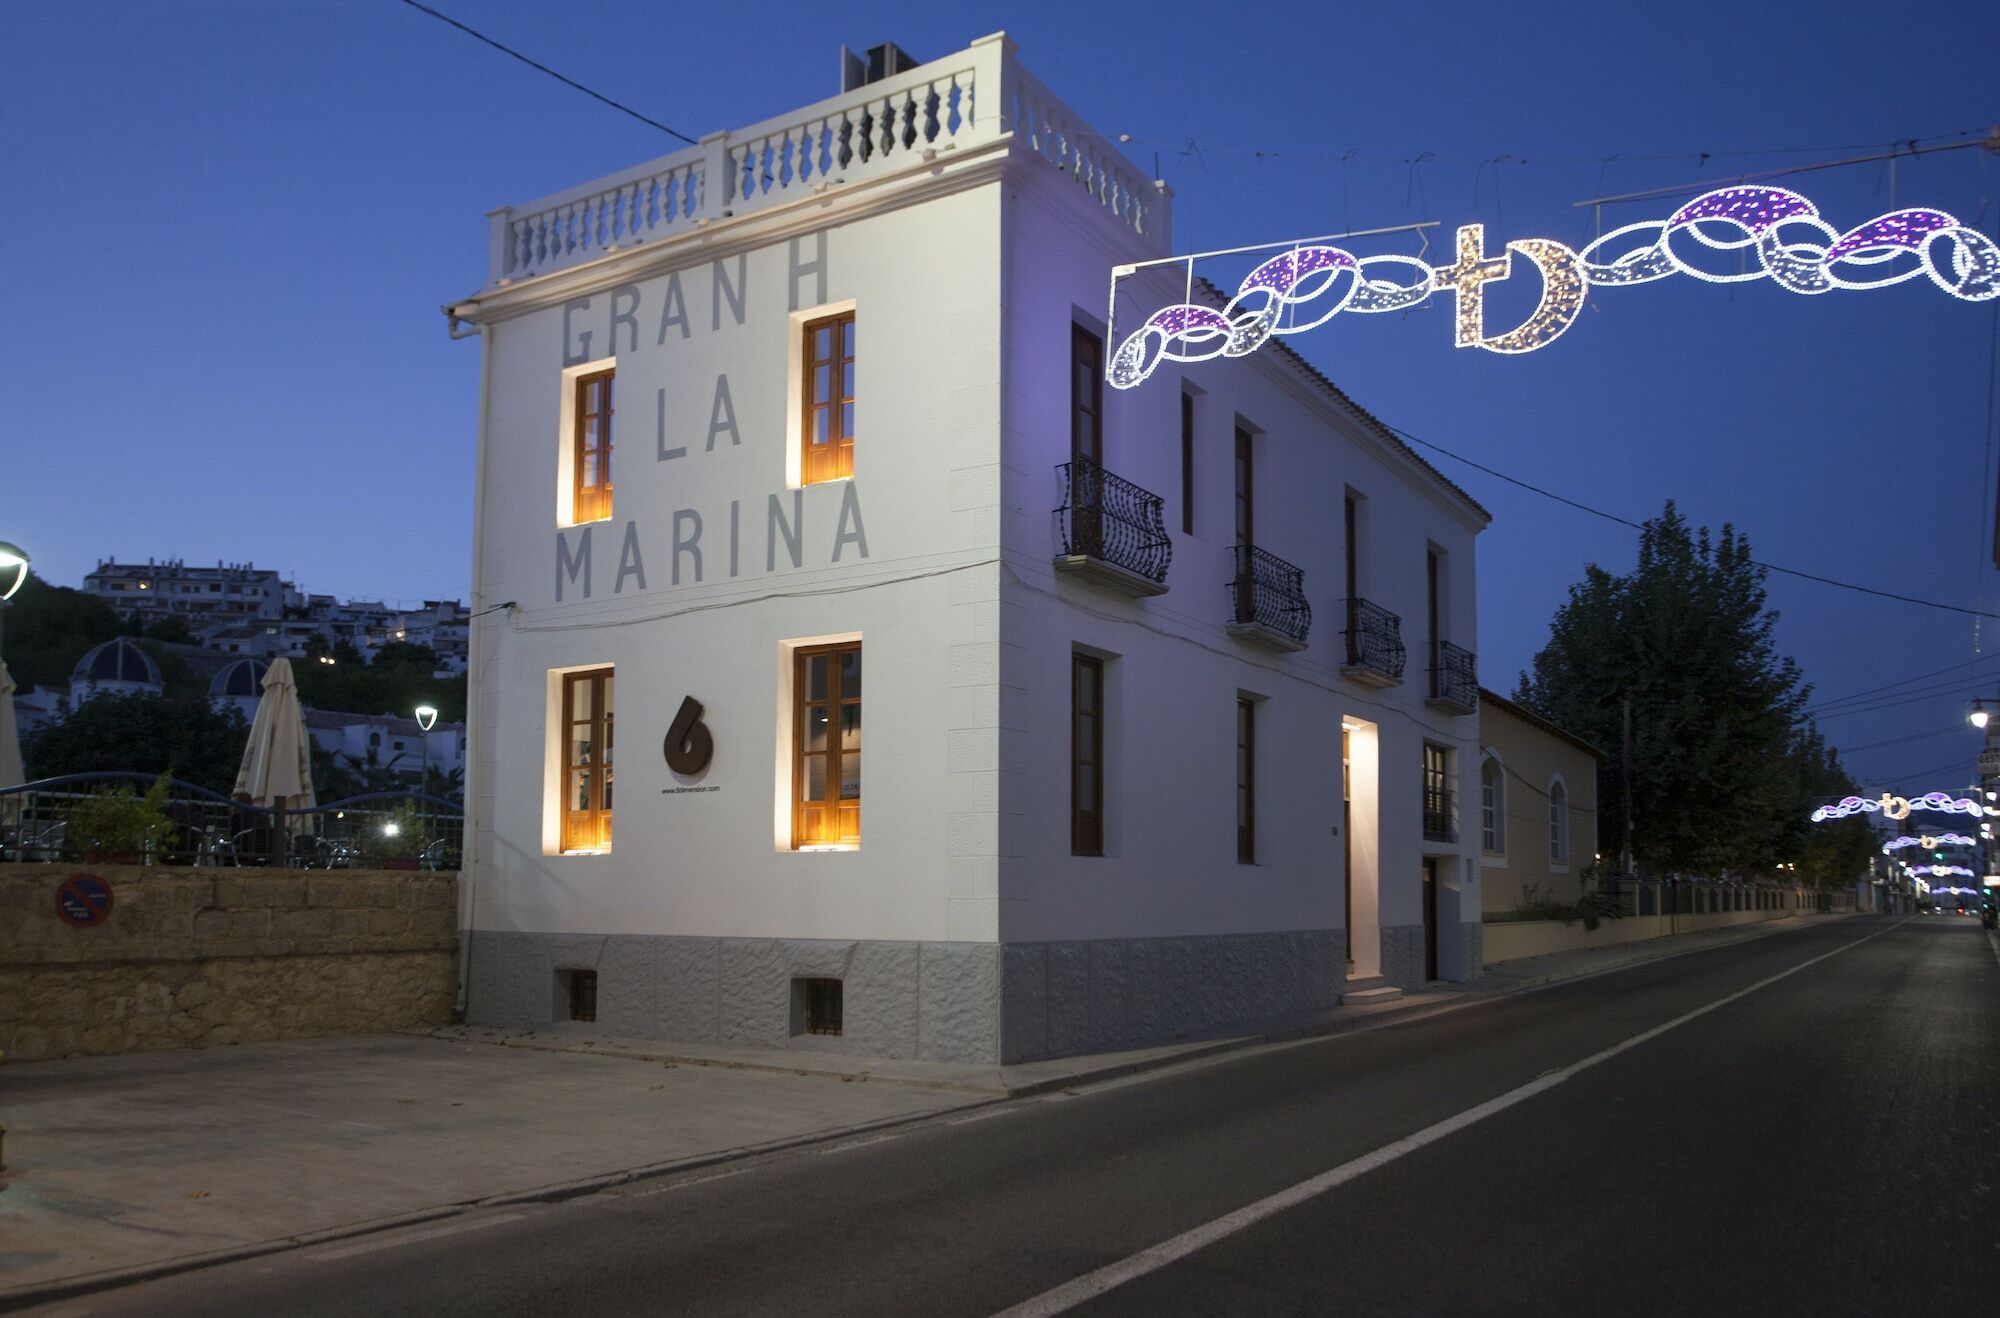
[
  {"x": 1718, "y": 771},
  {"x": 143, "y": 733},
  {"x": 395, "y": 683},
  {"x": 48, "y": 628}
]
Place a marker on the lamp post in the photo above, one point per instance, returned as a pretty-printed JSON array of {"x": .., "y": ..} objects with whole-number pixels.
[
  {"x": 13, "y": 572},
  {"x": 427, "y": 717}
]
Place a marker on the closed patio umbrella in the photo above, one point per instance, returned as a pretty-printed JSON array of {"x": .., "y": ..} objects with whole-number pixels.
[
  {"x": 11, "y": 773},
  {"x": 277, "y": 762}
]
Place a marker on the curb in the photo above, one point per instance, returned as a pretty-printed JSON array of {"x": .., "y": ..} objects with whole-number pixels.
[{"x": 1389, "y": 1014}]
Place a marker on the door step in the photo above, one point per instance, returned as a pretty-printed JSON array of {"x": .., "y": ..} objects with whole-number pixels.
[{"x": 1372, "y": 988}]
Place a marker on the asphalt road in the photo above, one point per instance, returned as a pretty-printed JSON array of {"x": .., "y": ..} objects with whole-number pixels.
[{"x": 1816, "y": 1129}]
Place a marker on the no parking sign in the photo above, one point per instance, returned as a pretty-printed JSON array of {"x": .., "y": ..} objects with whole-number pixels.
[{"x": 83, "y": 900}]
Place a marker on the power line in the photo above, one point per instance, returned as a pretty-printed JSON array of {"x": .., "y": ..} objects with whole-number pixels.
[
  {"x": 1626, "y": 521},
  {"x": 543, "y": 68},
  {"x": 1887, "y": 686},
  {"x": 1876, "y": 707},
  {"x": 1898, "y": 741}
]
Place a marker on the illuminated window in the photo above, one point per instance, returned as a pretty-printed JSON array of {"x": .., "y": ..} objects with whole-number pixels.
[
  {"x": 826, "y": 740},
  {"x": 587, "y": 739},
  {"x": 591, "y": 469},
  {"x": 1086, "y": 755},
  {"x": 828, "y": 437}
]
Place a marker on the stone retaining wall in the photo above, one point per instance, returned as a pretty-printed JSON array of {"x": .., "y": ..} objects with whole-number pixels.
[{"x": 196, "y": 958}]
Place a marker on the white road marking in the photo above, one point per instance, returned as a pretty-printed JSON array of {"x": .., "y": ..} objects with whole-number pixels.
[
  {"x": 1090, "y": 1285},
  {"x": 391, "y": 1239}
]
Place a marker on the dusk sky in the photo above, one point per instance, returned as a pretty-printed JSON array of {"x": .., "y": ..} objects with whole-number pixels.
[{"x": 231, "y": 226}]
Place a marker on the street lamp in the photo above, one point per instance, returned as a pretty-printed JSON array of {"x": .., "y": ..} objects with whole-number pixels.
[
  {"x": 13, "y": 571},
  {"x": 1979, "y": 716},
  {"x": 427, "y": 717}
]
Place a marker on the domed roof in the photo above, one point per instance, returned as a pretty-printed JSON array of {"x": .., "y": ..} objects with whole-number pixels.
[
  {"x": 245, "y": 677},
  {"x": 117, "y": 660}
]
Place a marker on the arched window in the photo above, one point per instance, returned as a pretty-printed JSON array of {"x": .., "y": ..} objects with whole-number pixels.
[
  {"x": 1558, "y": 823},
  {"x": 1492, "y": 806}
]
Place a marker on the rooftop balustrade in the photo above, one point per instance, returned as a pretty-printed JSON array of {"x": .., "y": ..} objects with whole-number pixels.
[{"x": 907, "y": 121}]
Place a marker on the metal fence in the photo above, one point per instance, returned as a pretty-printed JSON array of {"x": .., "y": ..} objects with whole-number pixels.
[{"x": 48, "y": 821}]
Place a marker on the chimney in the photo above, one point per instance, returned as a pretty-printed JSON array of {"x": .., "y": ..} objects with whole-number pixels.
[{"x": 883, "y": 61}]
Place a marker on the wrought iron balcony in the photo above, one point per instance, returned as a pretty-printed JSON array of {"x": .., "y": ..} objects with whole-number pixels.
[
  {"x": 1110, "y": 531},
  {"x": 1268, "y": 601},
  {"x": 1440, "y": 816},
  {"x": 1374, "y": 638},
  {"x": 1454, "y": 678}
]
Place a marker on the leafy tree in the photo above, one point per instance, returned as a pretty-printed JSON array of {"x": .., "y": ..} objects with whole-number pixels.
[
  {"x": 395, "y": 683},
  {"x": 147, "y": 733},
  {"x": 48, "y": 628},
  {"x": 1721, "y": 774}
]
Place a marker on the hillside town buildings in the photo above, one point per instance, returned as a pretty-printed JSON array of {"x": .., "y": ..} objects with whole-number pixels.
[{"x": 1170, "y": 695}]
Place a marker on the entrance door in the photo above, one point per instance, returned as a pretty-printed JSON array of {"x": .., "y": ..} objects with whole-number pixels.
[
  {"x": 1347, "y": 842},
  {"x": 1430, "y": 919}
]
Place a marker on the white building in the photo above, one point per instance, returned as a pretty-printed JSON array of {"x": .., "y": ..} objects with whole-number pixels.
[
  {"x": 1115, "y": 788},
  {"x": 118, "y": 667},
  {"x": 227, "y": 592}
]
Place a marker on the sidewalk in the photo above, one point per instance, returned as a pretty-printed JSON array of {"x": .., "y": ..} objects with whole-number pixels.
[{"x": 125, "y": 1167}]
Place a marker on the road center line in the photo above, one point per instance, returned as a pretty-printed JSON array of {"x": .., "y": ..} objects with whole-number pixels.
[{"x": 1090, "y": 1285}]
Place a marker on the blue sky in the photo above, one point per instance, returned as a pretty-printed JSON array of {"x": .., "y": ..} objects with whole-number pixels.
[{"x": 231, "y": 226}]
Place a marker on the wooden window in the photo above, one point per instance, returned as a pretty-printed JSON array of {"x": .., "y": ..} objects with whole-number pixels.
[
  {"x": 1187, "y": 464},
  {"x": 1492, "y": 807},
  {"x": 1558, "y": 823},
  {"x": 1086, "y": 396},
  {"x": 587, "y": 737},
  {"x": 826, "y": 740},
  {"x": 1431, "y": 600},
  {"x": 1086, "y": 755},
  {"x": 591, "y": 468},
  {"x": 1246, "y": 500},
  {"x": 827, "y": 438},
  {"x": 1246, "y": 781},
  {"x": 1352, "y": 515}
]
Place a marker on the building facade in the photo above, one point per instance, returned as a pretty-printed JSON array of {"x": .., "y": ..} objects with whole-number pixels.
[
  {"x": 1536, "y": 821},
  {"x": 1169, "y": 693}
]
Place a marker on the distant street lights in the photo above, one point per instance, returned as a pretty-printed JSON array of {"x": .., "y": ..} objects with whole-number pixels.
[{"x": 427, "y": 717}]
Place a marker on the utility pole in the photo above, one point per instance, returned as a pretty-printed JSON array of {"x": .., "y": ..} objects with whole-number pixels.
[{"x": 1625, "y": 790}]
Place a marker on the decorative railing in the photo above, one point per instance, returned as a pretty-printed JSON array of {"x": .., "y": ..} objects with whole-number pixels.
[
  {"x": 971, "y": 97},
  {"x": 1374, "y": 638},
  {"x": 39, "y": 821},
  {"x": 1108, "y": 517},
  {"x": 1454, "y": 675},
  {"x": 1269, "y": 592},
  {"x": 1440, "y": 815},
  {"x": 1062, "y": 138}
]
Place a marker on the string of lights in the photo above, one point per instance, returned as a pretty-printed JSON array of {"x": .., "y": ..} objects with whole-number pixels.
[{"x": 543, "y": 68}]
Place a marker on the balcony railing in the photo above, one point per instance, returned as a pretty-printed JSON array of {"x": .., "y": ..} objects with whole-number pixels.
[
  {"x": 1268, "y": 599},
  {"x": 968, "y": 99},
  {"x": 1106, "y": 520},
  {"x": 1454, "y": 678},
  {"x": 1440, "y": 815},
  {"x": 1374, "y": 639}
]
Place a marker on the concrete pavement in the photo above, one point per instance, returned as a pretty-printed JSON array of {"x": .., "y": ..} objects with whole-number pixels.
[{"x": 128, "y": 1167}]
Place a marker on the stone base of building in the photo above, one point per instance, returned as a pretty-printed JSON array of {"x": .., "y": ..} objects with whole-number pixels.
[
  {"x": 935, "y": 1002},
  {"x": 1459, "y": 958},
  {"x": 972, "y": 1003},
  {"x": 1062, "y": 998}
]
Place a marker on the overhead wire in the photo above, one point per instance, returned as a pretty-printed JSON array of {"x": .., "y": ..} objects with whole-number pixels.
[
  {"x": 543, "y": 68},
  {"x": 1626, "y": 521}
]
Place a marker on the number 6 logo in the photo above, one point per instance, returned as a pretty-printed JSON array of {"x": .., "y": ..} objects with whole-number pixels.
[{"x": 689, "y": 745}]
